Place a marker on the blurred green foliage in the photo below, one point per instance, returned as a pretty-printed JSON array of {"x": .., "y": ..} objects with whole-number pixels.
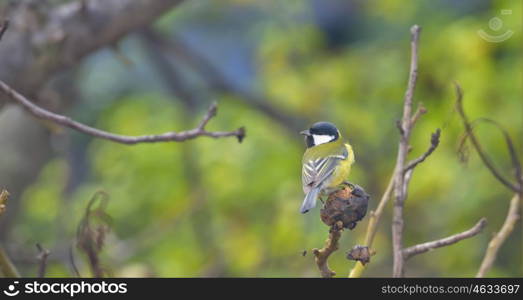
[{"x": 219, "y": 208}]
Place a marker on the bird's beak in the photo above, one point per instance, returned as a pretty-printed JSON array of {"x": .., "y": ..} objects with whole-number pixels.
[{"x": 305, "y": 132}]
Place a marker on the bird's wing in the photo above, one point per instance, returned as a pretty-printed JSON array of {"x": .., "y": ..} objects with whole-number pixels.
[{"x": 315, "y": 171}]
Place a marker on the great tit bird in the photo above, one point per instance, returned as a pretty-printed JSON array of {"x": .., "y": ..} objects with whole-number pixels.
[{"x": 326, "y": 163}]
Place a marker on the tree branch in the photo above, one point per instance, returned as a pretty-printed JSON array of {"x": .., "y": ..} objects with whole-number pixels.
[
  {"x": 484, "y": 157},
  {"x": 403, "y": 149},
  {"x": 344, "y": 208},
  {"x": 428, "y": 246},
  {"x": 402, "y": 173},
  {"x": 513, "y": 213},
  {"x": 510, "y": 147},
  {"x": 499, "y": 238},
  {"x": 322, "y": 255},
  {"x": 43, "y": 254},
  {"x": 434, "y": 142},
  {"x": 419, "y": 112},
  {"x": 41, "y": 113}
]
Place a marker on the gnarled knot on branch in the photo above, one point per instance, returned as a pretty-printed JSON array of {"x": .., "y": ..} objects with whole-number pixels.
[
  {"x": 348, "y": 205},
  {"x": 360, "y": 253},
  {"x": 343, "y": 209}
]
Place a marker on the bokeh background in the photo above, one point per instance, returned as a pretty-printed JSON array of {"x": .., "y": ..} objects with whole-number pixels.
[{"x": 220, "y": 208}]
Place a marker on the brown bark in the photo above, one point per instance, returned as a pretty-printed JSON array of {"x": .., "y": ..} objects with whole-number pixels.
[{"x": 40, "y": 43}]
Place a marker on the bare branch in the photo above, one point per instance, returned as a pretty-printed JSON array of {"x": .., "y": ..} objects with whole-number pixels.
[
  {"x": 344, "y": 208},
  {"x": 41, "y": 113},
  {"x": 400, "y": 127},
  {"x": 513, "y": 214},
  {"x": 402, "y": 174},
  {"x": 510, "y": 146},
  {"x": 511, "y": 149},
  {"x": 43, "y": 254},
  {"x": 499, "y": 238},
  {"x": 434, "y": 142},
  {"x": 331, "y": 245},
  {"x": 484, "y": 157},
  {"x": 419, "y": 112},
  {"x": 428, "y": 246},
  {"x": 413, "y": 76},
  {"x": 400, "y": 186},
  {"x": 211, "y": 113}
]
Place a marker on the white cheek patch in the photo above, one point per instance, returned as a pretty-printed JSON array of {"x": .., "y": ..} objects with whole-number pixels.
[{"x": 322, "y": 139}]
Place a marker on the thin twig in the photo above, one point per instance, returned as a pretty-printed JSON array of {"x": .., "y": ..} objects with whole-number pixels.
[
  {"x": 403, "y": 149},
  {"x": 500, "y": 237},
  {"x": 322, "y": 255},
  {"x": 513, "y": 213},
  {"x": 42, "y": 256},
  {"x": 42, "y": 113},
  {"x": 434, "y": 142},
  {"x": 475, "y": 142},
  {"x": 419, "y": 112},
  {"x": 428, "y": 246},
  {"x": 508, "y": 141},
  {"x": 397, "y": 184},
  {"x": 123, "y": 139}
]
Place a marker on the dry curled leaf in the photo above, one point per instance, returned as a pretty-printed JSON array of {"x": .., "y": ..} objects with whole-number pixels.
[{"x": 92, "y": 230}]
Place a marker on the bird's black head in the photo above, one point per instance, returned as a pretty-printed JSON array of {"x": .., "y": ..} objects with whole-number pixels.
[{"x": 320, "y": 133}]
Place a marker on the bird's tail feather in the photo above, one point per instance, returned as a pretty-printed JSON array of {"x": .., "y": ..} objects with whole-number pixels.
[{"x": 310, "y": 200}]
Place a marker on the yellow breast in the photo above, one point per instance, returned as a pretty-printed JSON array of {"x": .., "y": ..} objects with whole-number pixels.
[{"x": 343, "y": 170}]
